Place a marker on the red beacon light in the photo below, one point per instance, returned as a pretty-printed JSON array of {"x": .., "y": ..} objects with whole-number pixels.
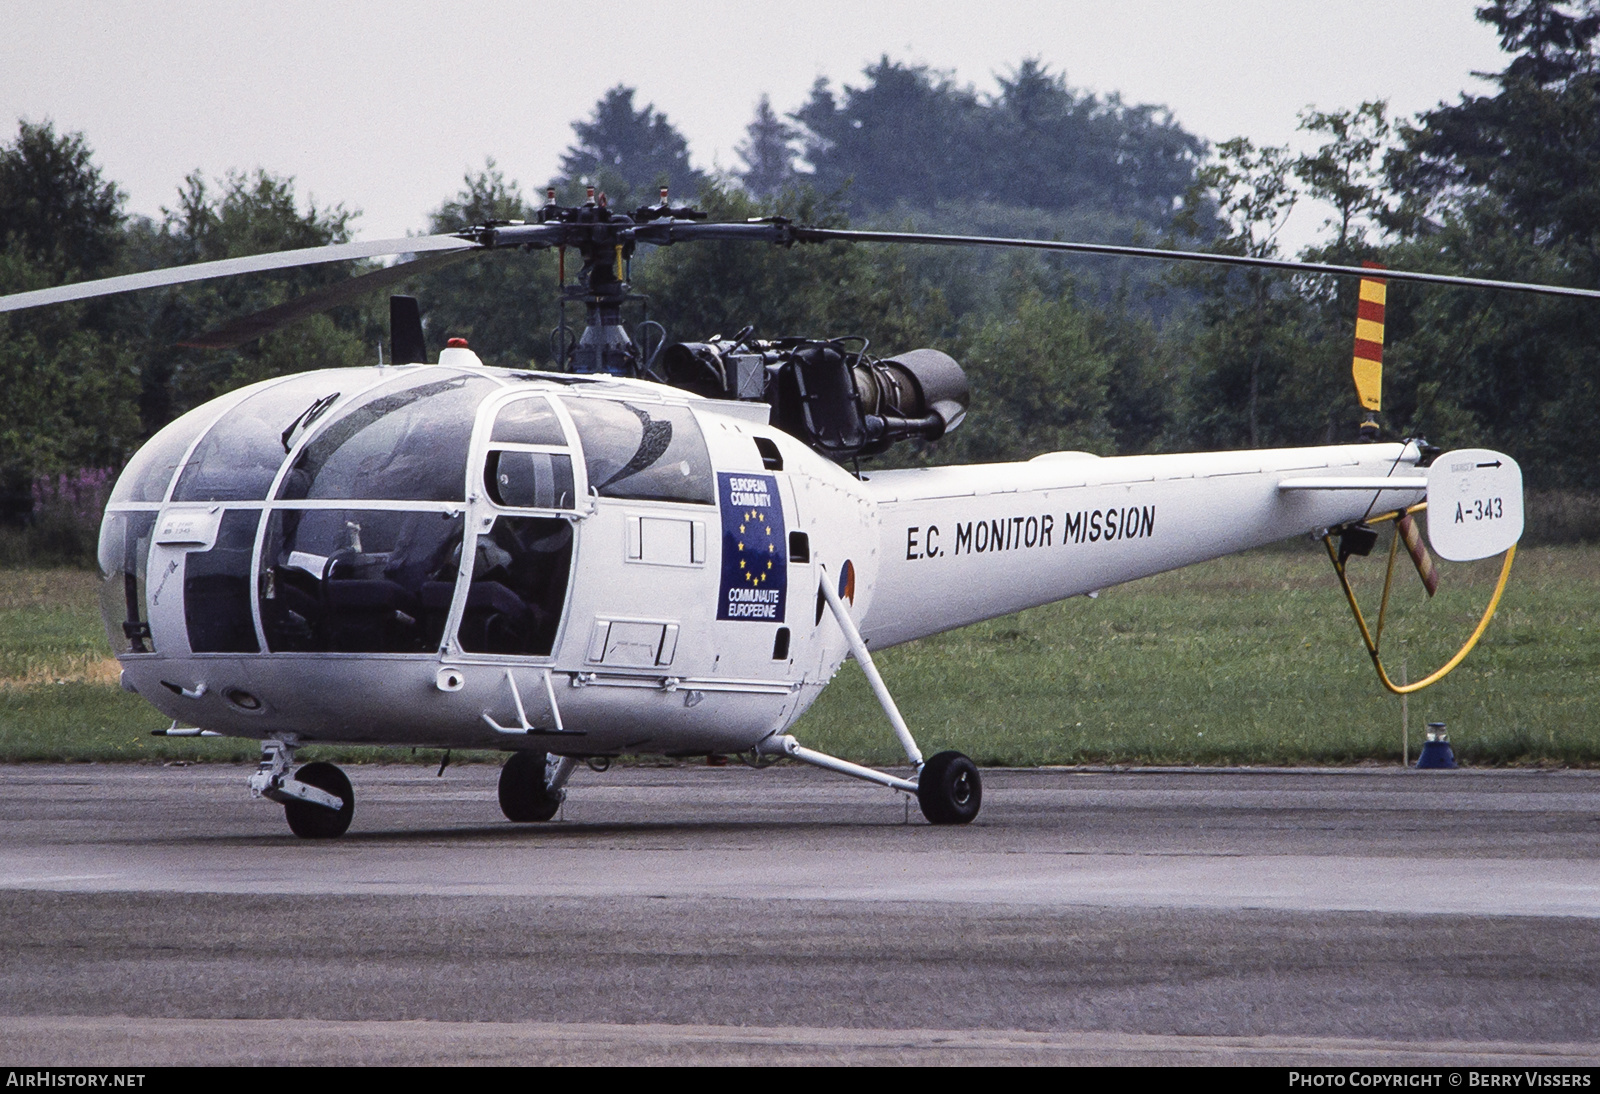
[{"x": 456, "y": 353}]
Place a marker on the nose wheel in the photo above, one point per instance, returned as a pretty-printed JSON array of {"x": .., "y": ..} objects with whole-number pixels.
[
  {"x": 318, "y": 800},
  {"x": 312, "y": 820}
]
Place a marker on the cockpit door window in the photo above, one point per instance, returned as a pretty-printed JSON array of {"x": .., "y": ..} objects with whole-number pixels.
[
  {"x": 643, "y": 451},
  {"x": 529, "y": 480},
  {"x": 519, "y": 584},
  {"x": 528, "y": 421},
  {"x": 358, "y": 581}
]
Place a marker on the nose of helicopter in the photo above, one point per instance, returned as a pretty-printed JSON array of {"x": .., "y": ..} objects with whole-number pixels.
[{"x": 316, "y": 554}]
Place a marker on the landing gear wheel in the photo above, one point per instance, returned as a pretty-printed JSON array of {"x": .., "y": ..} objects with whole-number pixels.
[
  {"x": 949, "y": 789},
  {"x": 524, "y": 795},
  {"x": 310, "y": 821}
]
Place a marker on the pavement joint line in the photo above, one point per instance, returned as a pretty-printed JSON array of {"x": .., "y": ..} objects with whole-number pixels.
[{"x": 299, "y": 1038}]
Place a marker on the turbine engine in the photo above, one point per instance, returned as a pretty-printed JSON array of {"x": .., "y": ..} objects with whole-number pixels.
[{"x": 838, "y": 399}]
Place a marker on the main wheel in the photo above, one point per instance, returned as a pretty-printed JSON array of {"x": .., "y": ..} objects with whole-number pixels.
[
  {"x": 524, "y": 795},
  {"x": 949, "y": 789},
  {"x": 311, "y": 821}
]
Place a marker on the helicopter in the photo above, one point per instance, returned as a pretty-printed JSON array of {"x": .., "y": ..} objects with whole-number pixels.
[{"x": 654, "y": 553}]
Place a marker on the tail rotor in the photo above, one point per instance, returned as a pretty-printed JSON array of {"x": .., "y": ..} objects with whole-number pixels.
[{"x": 1367, "y": 364}]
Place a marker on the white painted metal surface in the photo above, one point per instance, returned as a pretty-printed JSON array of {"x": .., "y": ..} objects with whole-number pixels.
[
  {"x": 639, "y": 657},
  {"x": 1474, "y": 504},
  {"x": 962, "y": 544}
]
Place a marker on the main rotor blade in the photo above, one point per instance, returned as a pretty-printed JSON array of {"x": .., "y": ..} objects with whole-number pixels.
[
  {"x": 821, "y": 235},
  {"x": 247, "y": 327},
  {"x": 667, "y": 232},
  {"x": 228, "y": 267}
]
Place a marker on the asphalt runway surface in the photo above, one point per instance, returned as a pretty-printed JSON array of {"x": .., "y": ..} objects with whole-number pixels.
[{"x": 691, "y": 915}]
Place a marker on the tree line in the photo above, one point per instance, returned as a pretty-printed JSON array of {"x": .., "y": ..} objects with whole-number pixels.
[{"x": 1105, "y": 356}]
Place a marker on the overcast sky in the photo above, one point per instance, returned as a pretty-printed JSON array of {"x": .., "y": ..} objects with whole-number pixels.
[{"x": 384, "y": 106}]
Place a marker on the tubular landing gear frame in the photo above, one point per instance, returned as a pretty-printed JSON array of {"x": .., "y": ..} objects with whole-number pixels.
[{"x": 948, "y": 788}]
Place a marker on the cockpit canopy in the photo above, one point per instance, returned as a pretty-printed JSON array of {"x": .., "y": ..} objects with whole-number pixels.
[{"x": 328, "y": 512}]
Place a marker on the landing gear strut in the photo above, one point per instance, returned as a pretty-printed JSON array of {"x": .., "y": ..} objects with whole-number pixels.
[
  {"x": 532, "y": 785},
  {"x": 948, "y": 787},
  {"x": 318, "y": 801}
]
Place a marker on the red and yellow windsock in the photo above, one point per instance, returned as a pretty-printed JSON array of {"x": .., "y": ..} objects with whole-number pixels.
[{"x": 1368, "y": 364}]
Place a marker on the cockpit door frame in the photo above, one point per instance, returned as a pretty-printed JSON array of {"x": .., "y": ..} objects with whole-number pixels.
[{"x": 482, "y": 512}]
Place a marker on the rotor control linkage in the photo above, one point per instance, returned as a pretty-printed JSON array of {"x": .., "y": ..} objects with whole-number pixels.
[{"x": 271, "y": 779}]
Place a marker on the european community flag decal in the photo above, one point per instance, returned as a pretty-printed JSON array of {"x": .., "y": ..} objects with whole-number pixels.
[{"x": 755, "y": 556}]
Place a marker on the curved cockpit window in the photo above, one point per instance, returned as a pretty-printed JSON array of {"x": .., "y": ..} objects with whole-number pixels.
[
  {"x": 124, "y": 562},
  {"x": 519, "y": 582},
  {"x": 152, "y": 467},
  {"x": 407, "y": 442},
  {"x": 643, "y": 451},
  {"x": 528, "y": 421},
  {"x": 216, "y": 588},
  {"x": 241, "y": 454},
  {"x": 358, "y": 581}
]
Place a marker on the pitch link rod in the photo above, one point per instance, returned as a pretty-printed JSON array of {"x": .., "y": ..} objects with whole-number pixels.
[{"x": 858, "y": 648}]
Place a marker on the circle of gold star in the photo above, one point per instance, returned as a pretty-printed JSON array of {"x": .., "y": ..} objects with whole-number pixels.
[{"x": 753, "y": 517}]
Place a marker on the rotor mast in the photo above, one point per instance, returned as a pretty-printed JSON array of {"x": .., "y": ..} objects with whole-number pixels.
[
  {"x": 604, "y": 241},
  {"x": 601, "y": 287}
]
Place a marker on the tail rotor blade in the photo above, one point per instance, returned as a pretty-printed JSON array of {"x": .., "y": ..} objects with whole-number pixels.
[
  {"x": 1407, "y": 529},
  {"x": 1367, "y": 364}
]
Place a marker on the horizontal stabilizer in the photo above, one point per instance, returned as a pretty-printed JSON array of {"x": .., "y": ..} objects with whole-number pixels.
[{"x": 1331, "y": 482}]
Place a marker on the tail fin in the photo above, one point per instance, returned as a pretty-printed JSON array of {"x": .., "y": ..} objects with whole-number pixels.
[{"x": 1367, "y": 366}]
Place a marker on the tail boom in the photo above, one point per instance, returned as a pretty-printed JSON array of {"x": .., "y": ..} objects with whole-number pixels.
[{"x": 963, "y": 544}]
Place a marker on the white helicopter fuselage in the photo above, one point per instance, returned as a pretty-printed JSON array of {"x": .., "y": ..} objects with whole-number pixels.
[
  {"x": 604, "y": 567},
  {"x": 963, "y": 544}
]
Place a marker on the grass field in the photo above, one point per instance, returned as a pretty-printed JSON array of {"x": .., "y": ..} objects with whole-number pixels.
[{"x": 1250, "y": 660}]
